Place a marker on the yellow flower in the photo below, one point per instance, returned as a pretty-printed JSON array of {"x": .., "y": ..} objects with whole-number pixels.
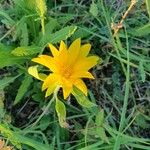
[
  {"x": 67, "y": 66},
  {"x": 3, "y": 147}
]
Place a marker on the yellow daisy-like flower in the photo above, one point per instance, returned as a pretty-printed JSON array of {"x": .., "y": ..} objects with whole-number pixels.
[{"x": 68, "y": 66}]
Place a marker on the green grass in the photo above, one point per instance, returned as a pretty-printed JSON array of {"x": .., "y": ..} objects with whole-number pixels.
[{"x": 121, "y": 89}]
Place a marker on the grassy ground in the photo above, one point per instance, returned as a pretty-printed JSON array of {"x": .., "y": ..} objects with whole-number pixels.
[{"x": 121, "y": 89}]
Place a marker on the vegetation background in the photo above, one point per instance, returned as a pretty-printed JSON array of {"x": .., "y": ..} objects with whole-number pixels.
[{"x": 121, "y": 90}]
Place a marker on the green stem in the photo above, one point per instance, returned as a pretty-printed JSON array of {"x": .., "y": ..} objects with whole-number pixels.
[
  {"x": 43, "y": 26},
  {"x": 44, "y": 112},
  {"x": 47, "y": 107}
]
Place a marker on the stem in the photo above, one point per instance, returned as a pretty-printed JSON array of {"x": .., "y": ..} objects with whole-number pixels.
[
  {"x": 43, "y": 26},
  {"x": 47, "y": 107},
  {"x": 44, "y": 112}
]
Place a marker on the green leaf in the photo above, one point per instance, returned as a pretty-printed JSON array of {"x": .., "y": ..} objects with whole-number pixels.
[
  {"x": 82, "y": 99},
  {"x": 142, "y": 122},
  {"x": 16, "y": 138},
  {"x": 61, "y": 113},
  {"x": 142, "y": 72},
  {"x": 99, "y": 126},
  {"x": 24, "y": 35},
  {"x": 6, "y": 81},
  {"x": 101, "y": 133},
  {"x": 7, "y": 17},
  {"x": 30, "y": 142},
  {"x": 62, "y": 34},
  {"x": 7, "y": 59},
  {"x": 23, "y": 89},
  {"x": 141, "y": 31},
  {"x": 30, "y": 4},
  {"x": 100, "y": 118},
  {"x": 26, "y": 50},
  {"x": 148, "y": 6},
  {"x": 94, "y": 9}
]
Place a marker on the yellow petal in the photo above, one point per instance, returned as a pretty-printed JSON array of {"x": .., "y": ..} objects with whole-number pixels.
[
  {"x": 74, "y": 50},
  {"x": 54, "y": 50},
  {"x": 86, "y": 63},
  {"x": 67, "y": 87},
  {"x": 85, "y": 49},
  {"x": 81, "y": 86},
  {"x": 82, "y": 74},
  {"x": 46, "y": 61},
  {"x": 50, "y": 81},
  {"x": 62, "y": 47},
  {"x": 34, "y": 72}
]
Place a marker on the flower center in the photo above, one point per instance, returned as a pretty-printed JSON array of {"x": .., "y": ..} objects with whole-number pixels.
[{"x": 66, "y": 71}]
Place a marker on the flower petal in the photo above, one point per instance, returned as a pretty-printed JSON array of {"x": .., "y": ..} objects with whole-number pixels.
[
  {"x": 85, "y": 49},
  {"x": 62, "y": 47},
  {"x": 62, "y": 59},
  {"x": 81, "y": 86},
  {"x": 34, "y": 72},
  {"x": 67, "y": 87},
  {"x": 74, "y": 51},
  {"x": 50, "y": 81},
  {"x": 85, "y": 64},
  {"x": 54, "y": 50},
  {"x": 82, "y": 74},
  {"x": 46, "y": 61}
]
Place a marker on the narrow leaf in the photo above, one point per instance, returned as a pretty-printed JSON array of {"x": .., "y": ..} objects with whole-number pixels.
[
  {"x": 100, "y": 118},
  {"x": 62, "y": 34},
  {"x": 82, "y": 99},
  {"x": 148, "y": 6},
  {"x": 142, "y": 72},
  {"x": 23, "y": 89},
  {"x": 34, "y": 72},
  {"x": 26, "y": 50},
  {"x": 10, "y": 60},
  {"x": 101, "y": 133},
  {"x": 141, "y": 31},
  {"x": 6, "y": 81},
  {"x": 94, "y": 9},
  {"x": 61, "y": 113}
]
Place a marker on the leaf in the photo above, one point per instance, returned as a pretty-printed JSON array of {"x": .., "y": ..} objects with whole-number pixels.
[
  {"x": 30, "y": 4},
  {"x": 100, "y": 118},
  {"x": 34, "y": 72},
  {"x": 7, "y": 17},
  {"x": 30, "y": 142},
  {"x": 82, "y": 99},
  {"x": 23, "y": 89},
  {"x": 141, "y": 31},
  {"x": 61, "y": 113},
  {"x": 142, "y": 122},
  {"x": 148, "y": 6},
  {"x": 24, "y": 35},
  {"x": 17, "y": 139},
  {"x": 80, "y": 33},
  {"x": 94, "y": 9},
  {"x": 6, "y": 81},
  {"x": 26, "y": 50},
  {"x": 62, "y": 34},
  {"x": 10, "y": 60},
  {"x": 142, "y": 72},
  {"x": 101, "y": 133}
]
